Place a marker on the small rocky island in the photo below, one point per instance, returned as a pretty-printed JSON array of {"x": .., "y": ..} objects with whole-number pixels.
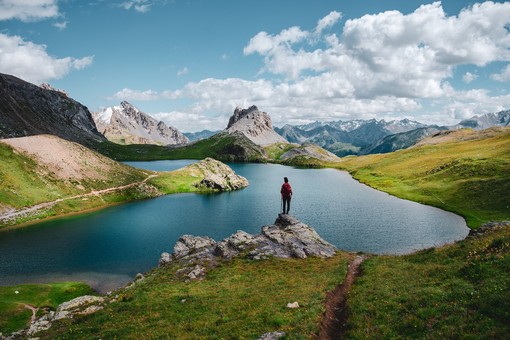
[
  {"x": 286, "y": 238},
  {"x": 216, "y": 175}
]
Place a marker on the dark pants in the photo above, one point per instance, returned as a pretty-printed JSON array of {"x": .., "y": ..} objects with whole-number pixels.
[{"x": 286, "y": 203}]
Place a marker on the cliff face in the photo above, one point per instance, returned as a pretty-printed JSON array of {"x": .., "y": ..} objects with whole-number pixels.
[
  {"x": 254, "y": 124},
  {"x": 27, "y": 110},
  {"x": 126, "y": 124}
]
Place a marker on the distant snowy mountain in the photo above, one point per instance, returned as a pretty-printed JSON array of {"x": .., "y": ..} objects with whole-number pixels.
[
  {"x": 254, "y": 124},
  {"x": 126, "y": 124},
  {"x": 346, "y": 137},
  {"x": 485, "y": 121}
]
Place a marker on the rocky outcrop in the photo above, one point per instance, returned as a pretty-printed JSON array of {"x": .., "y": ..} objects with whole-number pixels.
[
  {"x": 286, "y": 238},
  {"x": 27, "y": 109},
  {"x": 126, "y": 124},
  {"x": 82, "y": 305},
  {"x": 217, "y": 176},
  {"x": 254, "y": 124},
  {"x": 308, "y": 151},
  {"x": 488, "y": 227}
]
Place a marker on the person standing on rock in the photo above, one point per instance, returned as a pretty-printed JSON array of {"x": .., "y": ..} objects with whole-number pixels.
[{"x": 286, "y": 192}]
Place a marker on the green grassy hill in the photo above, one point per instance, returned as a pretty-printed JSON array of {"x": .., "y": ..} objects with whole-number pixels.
[
  {"x": 45, "y": 176},
  {"x": 464, "y": 171},
  {"x": 222, "y": 146}
]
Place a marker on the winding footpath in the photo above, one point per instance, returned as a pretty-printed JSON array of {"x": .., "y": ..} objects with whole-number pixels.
[
  {"x": 335, "y": 318},
  {"x": 12, "y": 214}
]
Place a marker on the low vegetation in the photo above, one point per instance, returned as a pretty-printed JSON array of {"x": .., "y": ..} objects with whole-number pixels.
[
  {"x": 459, "y": 291},
  {"x": 240, "y": 299},
  {"x": 467, "y": 172},
  {"x": 15, "y": 301}
]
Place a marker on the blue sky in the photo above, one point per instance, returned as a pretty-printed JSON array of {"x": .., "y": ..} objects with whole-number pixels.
[{"x": 190, "y": 63}]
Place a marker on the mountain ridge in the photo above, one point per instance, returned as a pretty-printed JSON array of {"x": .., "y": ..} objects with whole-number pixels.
[
  {"x": 27, "y": 109},
  {"x": 126, "y": 124}
]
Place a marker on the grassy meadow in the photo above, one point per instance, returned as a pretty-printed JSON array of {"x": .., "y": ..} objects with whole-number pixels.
[
  {"x": 468, "y": 174},
  {"x": 240, "y": 299}
]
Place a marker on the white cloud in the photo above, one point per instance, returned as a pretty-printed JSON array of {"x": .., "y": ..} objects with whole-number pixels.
[
  {"x": 377, "y": 66},
  {"x": 129, "y": 94},
  {"x": 504, "y": 76},
  {"x": 468, "y": 77},
  {"x": 32, "y": 63},
  {"x": 328, "y": 21},
  {"x": 61, "y": 25},
  {"x": 191, "y": 122},
  {"x": 28, "y": 10},
  {"x": 182, "y": 71},
  {"x": 141, "y": 6}
]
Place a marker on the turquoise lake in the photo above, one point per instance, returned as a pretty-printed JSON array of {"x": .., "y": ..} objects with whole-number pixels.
[{"x": 107, "y": 248}]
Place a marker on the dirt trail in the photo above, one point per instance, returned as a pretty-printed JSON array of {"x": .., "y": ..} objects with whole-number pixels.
[
  {"x": 335, "y": 317},
  {"x": 11, "y": 214},
  {"x": 34, "y": 312}
]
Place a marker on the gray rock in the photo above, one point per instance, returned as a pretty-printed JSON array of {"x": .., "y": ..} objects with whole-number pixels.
[
  {"x": 165, "y": 258},
  {"x": 79, "y": 302},
  {"x": 191, "y": 244},
  {"x": 288, "y": 237},
  {"x": 38, "y": 326},
  {"x": 272, "y": 336}
]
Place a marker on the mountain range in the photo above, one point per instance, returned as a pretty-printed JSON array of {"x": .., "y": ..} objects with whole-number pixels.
[
  {"x": 27, "y": 109},
  {"x": 354, "y": 137}
]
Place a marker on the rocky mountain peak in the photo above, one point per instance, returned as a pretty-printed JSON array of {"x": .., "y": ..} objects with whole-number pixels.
[
  {"x": 126, "y": 124},
  {"x": 254, "y": 124}
]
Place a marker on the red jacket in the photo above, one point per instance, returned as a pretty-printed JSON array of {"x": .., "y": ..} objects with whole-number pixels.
[{"x": 286, "y": 190}]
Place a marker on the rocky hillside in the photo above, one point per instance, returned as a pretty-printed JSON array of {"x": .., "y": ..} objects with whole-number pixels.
[
  {"x": 402, "y": 140},
  {"x": 27, "y": 110},
  {"x": 254, "y": 124},
  {"x": 126, "y": 124},
  {"x": 39, "y": 173}
]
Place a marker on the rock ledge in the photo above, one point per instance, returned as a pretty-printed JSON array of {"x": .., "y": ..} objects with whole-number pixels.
[{"x": 286, "y": 238}]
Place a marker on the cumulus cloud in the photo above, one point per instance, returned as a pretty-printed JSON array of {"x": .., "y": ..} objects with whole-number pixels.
[
  {"x": 383, "y": 65},
  {"x": 28, "y": 10},
  {"x": 504, "y": 76},
  {"x": 32, "y": 63},
  {"x": 192, "y": 122}
]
